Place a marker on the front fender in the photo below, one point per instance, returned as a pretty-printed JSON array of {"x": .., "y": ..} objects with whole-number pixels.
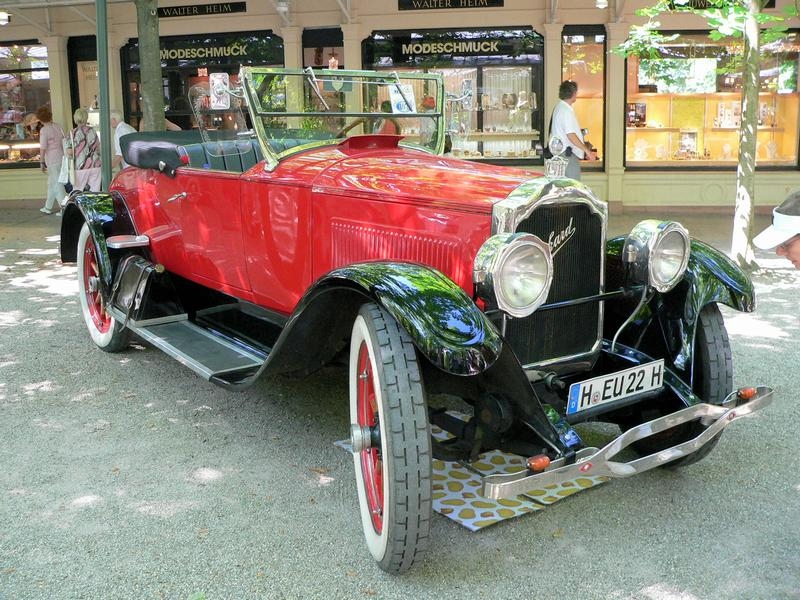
[
  {"x": 106, "y": 214},
  {"x": 444, "y": 323},
  {"x": 711, "y": 277}
]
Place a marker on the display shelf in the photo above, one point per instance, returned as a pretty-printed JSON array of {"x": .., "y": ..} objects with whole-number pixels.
[
  {"x": 701, "y": 130},
  {"x": 498, "y": 120},
  {"x": 19, "y": 153},
  {"x": 653, "y": 129},
  {"x": 503, "y": 135},
  {"x": 728, "y": 129}
]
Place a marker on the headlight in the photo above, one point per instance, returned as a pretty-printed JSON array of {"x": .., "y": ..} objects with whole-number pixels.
[
  {"x": 514, "y": 272},
  {"x": 657, "y": 253}
]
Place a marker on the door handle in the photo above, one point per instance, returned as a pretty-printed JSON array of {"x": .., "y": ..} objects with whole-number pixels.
[{"x": 179, "y": 196}]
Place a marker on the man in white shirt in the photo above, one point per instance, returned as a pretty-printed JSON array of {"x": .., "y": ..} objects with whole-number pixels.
[
  {"x": 120, "y": 128},
  {"x": 566, "y": 127}
]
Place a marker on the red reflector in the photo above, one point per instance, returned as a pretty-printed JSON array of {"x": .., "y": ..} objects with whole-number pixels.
[
  {"x": 746, "y": 393},
  {"x": 538, "y": 463},
  {"x": 185, "y": 159}
]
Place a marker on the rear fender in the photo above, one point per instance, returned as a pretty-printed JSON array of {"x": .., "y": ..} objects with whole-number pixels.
[
  {"x": 107, "y": 215},
  {"x": 444, "y": 323}
]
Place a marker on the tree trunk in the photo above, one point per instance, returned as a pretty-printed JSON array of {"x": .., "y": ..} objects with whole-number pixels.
[
  {"x": 741, "y": 241},
  {"x": 150, "y": 88}
]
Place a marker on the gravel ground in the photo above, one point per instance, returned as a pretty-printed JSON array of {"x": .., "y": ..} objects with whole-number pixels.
[{"x": 127, "y": 476}]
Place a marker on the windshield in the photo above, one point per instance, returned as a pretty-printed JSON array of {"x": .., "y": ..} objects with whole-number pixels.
[{"x": 292, "y": 109}]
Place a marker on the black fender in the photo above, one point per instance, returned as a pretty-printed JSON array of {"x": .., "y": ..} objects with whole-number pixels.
[
  {"x": 446, "y": 326},
  {"x": 711, "y": 277},
  {"x": 107, "y": 215}
]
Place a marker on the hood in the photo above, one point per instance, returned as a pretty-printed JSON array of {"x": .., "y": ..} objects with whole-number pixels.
[{"x": 406, "y": 173}]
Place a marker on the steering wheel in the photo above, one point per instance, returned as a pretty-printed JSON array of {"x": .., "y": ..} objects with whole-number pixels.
[{"x": 343, "y": 131}]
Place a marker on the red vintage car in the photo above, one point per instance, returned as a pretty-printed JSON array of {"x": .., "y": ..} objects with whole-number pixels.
[{"x": 297, "y": 231}]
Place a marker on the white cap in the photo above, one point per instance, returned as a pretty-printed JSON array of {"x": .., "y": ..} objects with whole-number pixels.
[{"x": 785, "y": 224}]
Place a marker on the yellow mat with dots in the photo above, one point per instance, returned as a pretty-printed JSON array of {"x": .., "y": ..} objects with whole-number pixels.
[{"x": 456, "y": 488}]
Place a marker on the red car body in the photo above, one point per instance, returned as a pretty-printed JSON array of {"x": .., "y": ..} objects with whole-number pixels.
[{"x": 253, "y": 235}]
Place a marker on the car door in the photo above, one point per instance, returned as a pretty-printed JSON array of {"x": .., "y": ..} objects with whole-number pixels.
[
  {"x": 277, "y": 230},
  {"x": 205, "y": 207}
]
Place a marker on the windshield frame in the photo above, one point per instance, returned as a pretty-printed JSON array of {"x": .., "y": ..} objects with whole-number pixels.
[{"x": 315, "y": 119}]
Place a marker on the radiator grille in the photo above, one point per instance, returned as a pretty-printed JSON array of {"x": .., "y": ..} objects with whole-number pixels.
[{"x": 577, "y": 263}]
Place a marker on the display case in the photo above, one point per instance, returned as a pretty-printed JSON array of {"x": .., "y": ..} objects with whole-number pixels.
[
  {"x": 703, "y": 129},
  {"x": 24, "y": 86},
  {"x": 684, "y": 104},
  {"x": 490, "y": 114},
  {"x": 19, "y": 153},
  {"x": 494, "y": 79}
]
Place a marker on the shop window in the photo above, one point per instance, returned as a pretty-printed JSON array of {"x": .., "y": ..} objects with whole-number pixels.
[
  {"x": 493, "y": 79},
  {"x": 583, "y": 60},
  {"x": 684, "y": 107},
  {"x": 84, "y": 76},
  {"x": 24, "y": 87},
  {"x": 188, "y": 60},
  {"x": 323, "y": 48}
]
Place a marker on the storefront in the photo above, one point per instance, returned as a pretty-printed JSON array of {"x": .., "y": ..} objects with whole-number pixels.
[
  {"x": 494, "y": 80},
  {"x": 187, "y": 61},
  {"x": 502, "y": 60}
]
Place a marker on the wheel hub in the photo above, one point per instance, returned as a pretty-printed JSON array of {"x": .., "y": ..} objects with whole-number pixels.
[{"x": 363, "y": 438}]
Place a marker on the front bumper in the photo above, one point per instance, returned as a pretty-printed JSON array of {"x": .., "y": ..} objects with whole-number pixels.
[{"x": 599, "y": 463}]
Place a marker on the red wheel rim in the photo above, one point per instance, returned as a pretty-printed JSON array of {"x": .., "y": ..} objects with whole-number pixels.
[
  {"x": 91, "y": 289},
  {"x": 371, "y": 463}
]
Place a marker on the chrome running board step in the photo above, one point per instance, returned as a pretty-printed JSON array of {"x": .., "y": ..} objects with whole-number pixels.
[
  {"x": 205, "y": 353},
  {"x": 598, "y": 463}
]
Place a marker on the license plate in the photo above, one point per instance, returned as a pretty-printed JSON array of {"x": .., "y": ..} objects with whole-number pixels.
[{"x": 615, "y": 386}]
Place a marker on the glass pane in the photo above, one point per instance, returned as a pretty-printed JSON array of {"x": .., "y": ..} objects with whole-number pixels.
[
  {"x": 583, "y": 61},
  {"x": 24, "y": 87},
  {"x": 684, "y": 108},
  {"x": 297, "y": 108}
]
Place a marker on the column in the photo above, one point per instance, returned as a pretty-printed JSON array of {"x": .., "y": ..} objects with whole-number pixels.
[
  {"x": 552, "y": 73},
  {"x": 60, "y": 103},
  {"x": 615, "y": 116},
  {"x": 116, "y": 85},
  {"x": 352, "y": 46},
  {"x": 292, "y": 47}
]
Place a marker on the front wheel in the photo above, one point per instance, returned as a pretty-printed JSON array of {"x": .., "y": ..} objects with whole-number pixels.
[
  {"x": 391, "y": 440},
  {"x": 712, "y": 381},
  {"x": 103, "y": 328}
]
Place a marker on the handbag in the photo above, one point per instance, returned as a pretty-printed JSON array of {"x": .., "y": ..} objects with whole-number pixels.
[{"x": 63, "y": 175}]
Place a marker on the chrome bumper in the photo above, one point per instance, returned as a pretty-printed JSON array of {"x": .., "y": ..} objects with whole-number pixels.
[{"x": 598, "y": 463}]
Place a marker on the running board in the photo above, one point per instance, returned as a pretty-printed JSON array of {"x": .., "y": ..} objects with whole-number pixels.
[
  {"x": 205, "y": 353},
  {"x": 594, "y": 462}
]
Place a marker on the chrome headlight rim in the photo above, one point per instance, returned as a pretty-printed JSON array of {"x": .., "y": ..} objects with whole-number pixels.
[
  {"x": 645, "y": 248},
  {"x": 491, "y": 269}
]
